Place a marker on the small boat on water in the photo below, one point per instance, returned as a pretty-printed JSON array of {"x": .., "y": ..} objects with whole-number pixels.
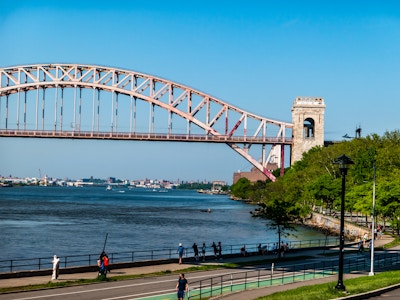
[
  {"x": 109, "y": 188},
  {"x": 3, "y": 184}
]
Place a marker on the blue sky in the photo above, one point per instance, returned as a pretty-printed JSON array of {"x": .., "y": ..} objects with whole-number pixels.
[{"x": 257, "y": 55}]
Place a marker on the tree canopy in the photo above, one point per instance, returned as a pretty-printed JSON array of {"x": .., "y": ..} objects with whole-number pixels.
[{"x": 315, "y": 181}]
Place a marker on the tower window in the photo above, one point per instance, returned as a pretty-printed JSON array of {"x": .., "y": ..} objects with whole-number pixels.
[{"x": 308, "y": 128}]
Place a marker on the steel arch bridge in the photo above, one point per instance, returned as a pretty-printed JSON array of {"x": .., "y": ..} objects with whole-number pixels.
[{"x": 95, "y": 102}]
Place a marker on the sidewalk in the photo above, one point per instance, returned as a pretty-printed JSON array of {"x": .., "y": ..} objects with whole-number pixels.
[
  {"x": 249, "y": 294},
  {"x": 32, "y": 280}
]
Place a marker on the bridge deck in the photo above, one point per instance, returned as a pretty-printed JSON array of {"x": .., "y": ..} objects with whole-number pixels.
[{"x": 145, "y": 136}]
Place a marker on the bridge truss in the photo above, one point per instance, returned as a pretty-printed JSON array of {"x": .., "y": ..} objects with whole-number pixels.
[{"x": 94, "y": 102}]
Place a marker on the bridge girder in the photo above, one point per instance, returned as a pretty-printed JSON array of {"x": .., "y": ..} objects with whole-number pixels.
[{"x": 215, "y": 118}]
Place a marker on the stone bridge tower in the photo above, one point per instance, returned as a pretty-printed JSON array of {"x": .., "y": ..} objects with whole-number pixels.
[{"x": 308, "y": 125}]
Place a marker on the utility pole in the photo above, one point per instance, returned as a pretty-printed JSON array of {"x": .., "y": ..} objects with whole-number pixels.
[
  {"x": 372, "y": 154},
  {"x": 371, "y": 273}
]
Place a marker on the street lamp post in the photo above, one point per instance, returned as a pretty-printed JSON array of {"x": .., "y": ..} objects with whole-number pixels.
[{"x": 343, "y": 161}]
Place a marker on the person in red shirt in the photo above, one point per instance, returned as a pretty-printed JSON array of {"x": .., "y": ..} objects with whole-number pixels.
[
  {"x": 106, "y": 263},
  {"x": 103, "y": 263}
]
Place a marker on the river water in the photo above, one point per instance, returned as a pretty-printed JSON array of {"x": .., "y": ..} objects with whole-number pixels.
[{"x": 42, "y": 221}]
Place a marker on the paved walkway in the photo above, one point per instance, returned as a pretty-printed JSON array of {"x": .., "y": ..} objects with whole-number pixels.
[
  {"x": 249, "y": 294},
  {"x": 256, "y": 293}
]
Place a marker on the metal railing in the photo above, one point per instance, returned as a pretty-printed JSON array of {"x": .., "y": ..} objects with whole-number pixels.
[
  {"x": 262, "y": 277},
  {"x": 42, "y": 263},
  {"x": 145, "y": 136}
]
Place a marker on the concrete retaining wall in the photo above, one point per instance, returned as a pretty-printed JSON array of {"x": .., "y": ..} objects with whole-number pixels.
[{"x": 331, "y": 224}]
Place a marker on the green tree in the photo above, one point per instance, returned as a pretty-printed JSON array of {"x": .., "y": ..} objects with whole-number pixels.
[
  {"x": 315, "y": 179},
  {"x": 359, "y": 199},
  {"x": 241, "y": 188},
  {"x": 256, "y": 191},
  {"x": 283, "y": 210},
  {"x": 388, "y": 197},
  {"x": 326, "y": 189}
]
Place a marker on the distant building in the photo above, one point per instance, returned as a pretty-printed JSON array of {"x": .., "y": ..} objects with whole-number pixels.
[
  {"x": 217, "y": 185},
  {"x": 111, "y": 180},
  {"x": 254, "y": 175}
]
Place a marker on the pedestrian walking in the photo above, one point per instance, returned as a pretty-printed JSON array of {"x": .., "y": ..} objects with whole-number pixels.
[
  {"x": 106, "y": 262},
  {"x": 102, "y": 263},
  {"x": 214, "y": 246},
  {"x": 182, "y": 286},
  {"x": 219, "y": 250},
  {"x": 243, "y": 250},
  {"x": 365, "y": 239},
  {"x": 180, "y": 252},
  {"x": 360, "y": 247},
  {"x": 282, "y": 249},
  {"x": 203, "y": 251},
  {"x": 56, "y": 267},
  {"x": 196, "y": 252}
]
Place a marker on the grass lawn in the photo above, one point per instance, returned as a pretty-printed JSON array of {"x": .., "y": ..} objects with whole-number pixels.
[{"x": 327, "y": 291}]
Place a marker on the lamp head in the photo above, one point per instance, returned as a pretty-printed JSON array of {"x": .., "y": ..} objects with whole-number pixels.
[{"x": 343, "y": 161}]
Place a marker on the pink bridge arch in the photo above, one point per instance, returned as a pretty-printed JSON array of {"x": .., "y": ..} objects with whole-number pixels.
[{"x": 96, "y": 102}]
